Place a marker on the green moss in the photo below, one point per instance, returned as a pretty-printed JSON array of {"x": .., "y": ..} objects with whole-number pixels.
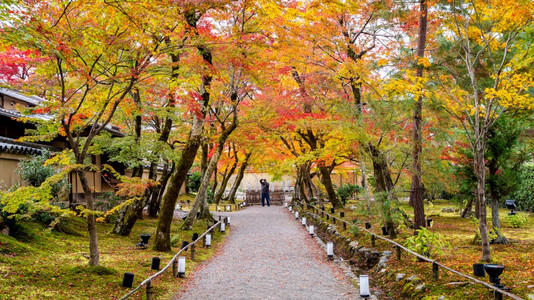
[
  {"x": 408, "y": 289},
  {"x": 71, "y": 226},
  {"x": 53, "y": 264},
  {"x": 96, "y": 270},
  {"x": 9, "y": 245}
]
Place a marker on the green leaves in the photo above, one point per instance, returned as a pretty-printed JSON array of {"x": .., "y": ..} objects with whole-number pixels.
[{"x": 427, "y": 243}]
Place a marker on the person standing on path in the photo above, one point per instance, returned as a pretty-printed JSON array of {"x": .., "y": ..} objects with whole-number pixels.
[{"x": 264, "y": 192}]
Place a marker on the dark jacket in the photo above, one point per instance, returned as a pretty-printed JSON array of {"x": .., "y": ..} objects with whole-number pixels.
[{"x": 264, "y": 187}]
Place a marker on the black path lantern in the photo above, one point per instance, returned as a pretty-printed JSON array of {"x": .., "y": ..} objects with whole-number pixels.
[
  {"x": 511, "y": 205},
  {"x": 127, "y": 280},
  {"x": 155, "y": 263}
]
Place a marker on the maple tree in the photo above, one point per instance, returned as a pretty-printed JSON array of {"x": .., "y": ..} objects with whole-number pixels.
[
  {"x": 85, "y": 77},
  {"x": 235, "y": 83},
  {"x": 16, "y": 64},
  {"x": 486, "y": 49}
]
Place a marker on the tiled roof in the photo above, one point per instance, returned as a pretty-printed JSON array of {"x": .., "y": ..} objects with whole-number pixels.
[
  {"x": 8, "y": 145},
  {"x": 34, "y": 100},
  {"x": 15, "y": 114},
  {"x": 10, "y": 113}
]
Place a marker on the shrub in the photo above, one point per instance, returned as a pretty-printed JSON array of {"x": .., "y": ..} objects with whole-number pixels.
[
  {"x": 210, "y": 196},
  {"x": 44, "y": 217},
  {"x": 34, "y": 172},
  {"x": 345, "y": 191},
  {"x": 193, "y": 182},
  {"x": 427, "y": 243},
  {"x": 355, "y": 230},
  {"x": 517, "y": 220},
  {"x": 14, "y": 220},
  {"x": 524, "y": 193}
]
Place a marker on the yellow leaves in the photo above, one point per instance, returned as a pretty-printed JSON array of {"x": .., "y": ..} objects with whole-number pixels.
[
  {"x": 271, "y": 9},
  {"x": 353, "y": 69},
  {"x": 510, "y": 14},
  {"x": 513, "y": 91},
  {"x": 409, "y": 85},
  {"x": 423, "y": 61},
  {"x": 288, "y": 82},
  {"x": 382, "y": 62},
  {"x": 62, "y": 158}
]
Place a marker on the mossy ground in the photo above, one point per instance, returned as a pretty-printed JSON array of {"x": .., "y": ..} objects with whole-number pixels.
[
  {"x": 517, "y": 257},
  {"x": 53, "y": 265}
]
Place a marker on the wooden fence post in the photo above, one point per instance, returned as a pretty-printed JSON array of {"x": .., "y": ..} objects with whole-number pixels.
[
  {"x": 344, "y": 225},
  {"x": 149, "y": 291},
  {"x": 175, "y": 268},
  {"x": 192, "y": 252},
  {"x": 398, "y": 250},
  {"x": 373, "y": 240},
  {"x": 435, "y": 271}
]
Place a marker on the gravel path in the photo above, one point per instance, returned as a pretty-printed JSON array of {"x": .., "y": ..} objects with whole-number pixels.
[{"x": 269, "y": 255}]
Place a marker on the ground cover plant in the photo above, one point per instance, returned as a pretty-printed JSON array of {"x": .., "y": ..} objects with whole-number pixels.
[
  {"x": 49, "y": 264},
  {"x": 459, "y": 253}
]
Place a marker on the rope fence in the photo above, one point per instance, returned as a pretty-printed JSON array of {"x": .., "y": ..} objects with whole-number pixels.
[
  {"x": 173, "y": 262},
  {"x": 435, "y": 265}
]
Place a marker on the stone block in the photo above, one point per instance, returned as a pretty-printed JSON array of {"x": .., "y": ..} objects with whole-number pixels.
[{"x": 399, "y": 277}]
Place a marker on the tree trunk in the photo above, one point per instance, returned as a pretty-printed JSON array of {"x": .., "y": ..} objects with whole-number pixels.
[
  {"x": 215, "y": 181},
  {"x": 384, "y": 187},
  {"x": 204, "y": 158},
  {"x": 494, "y": 194},
  {"x": 327, "y": 182},
  {"x": 239, "y": 178},
  {"x": 130, "y": 214},
  {"x": 220, "y": 192},
  {"x": 162, "y": 240},
  {"x": 364, "y": 175},
  {"x": 212, "y": 165},
  {"x": 416, "y": 193},
  {"x": 299, "y": 186},
  {"x": 468, "y": 209},
  {"x": 94, "y": 255},
  {"x": 304, "y": 181},
  {"x": 153, "y": 204},
  {"x": 164, "y": 182},
  {"x": 202, "y": 193},
  {"x": 307, "y": 182},
  {"x": 480, "y": 171}
]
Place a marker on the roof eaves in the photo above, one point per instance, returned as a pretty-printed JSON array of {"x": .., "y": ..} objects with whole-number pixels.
[{"x": 32, "y": 99}]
